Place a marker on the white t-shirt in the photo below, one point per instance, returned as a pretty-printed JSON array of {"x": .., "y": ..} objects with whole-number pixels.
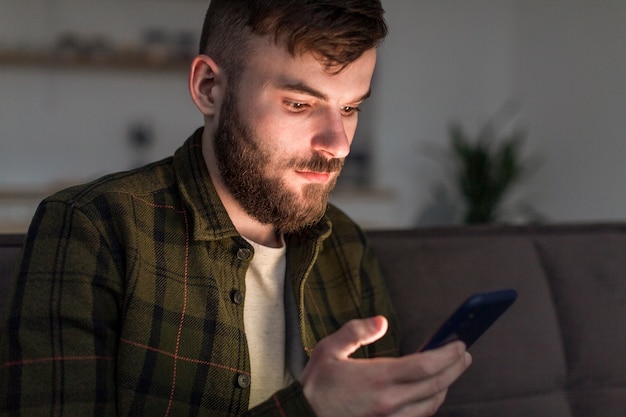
[{"x": 264, "y": 321}]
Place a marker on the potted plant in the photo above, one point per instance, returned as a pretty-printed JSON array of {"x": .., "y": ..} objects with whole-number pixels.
[{"x": 485, "y": 169}]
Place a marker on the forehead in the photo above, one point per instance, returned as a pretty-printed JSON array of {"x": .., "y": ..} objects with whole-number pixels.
[{"x": 270, "y": 64}]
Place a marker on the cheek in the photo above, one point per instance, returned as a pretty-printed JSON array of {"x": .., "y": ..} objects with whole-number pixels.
[
  {"x": 284, "y": 135},
  {"x": 350, "y": 127}
]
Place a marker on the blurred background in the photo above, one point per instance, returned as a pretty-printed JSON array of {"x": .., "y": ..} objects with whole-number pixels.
[{"x": 521, "y": 103}]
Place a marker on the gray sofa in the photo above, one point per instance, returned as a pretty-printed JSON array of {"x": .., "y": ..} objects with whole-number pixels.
[{"x": 561, "y": 349}]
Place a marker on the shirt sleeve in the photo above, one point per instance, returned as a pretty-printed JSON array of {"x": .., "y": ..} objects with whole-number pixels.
[
  {"x": 376, "y": 301},
  {"x": 58, "y": 342}
]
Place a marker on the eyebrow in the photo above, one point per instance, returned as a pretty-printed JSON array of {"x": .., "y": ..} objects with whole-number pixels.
[{"x": 305, "y": 89}]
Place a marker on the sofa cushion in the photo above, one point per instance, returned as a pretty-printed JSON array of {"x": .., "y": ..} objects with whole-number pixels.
[
  {"x": 553, "y": 404},
  {"x": 588, "y": 279}
]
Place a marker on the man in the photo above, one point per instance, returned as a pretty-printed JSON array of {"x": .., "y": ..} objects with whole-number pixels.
[{"x": 219, "y": 282}]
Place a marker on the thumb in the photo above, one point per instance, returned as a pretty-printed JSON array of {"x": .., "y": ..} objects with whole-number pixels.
[{"x": 354, "y": 334}]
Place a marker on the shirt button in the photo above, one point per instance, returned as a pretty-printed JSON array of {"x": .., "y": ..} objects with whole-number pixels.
[
  {"x": 237, "y": 297},
  {"x": 243, "y": 381},
  {"x": 243, "y": 254}
]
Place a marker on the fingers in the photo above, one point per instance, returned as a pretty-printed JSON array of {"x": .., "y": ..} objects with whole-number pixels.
[
  {"x": 422, "y": 380},
  {"x": 422, "y": 408},
  {"x": 420, "y": 365},
  {"x": 352, "y": 336}
]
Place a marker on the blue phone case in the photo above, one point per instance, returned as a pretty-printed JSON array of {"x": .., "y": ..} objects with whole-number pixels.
[{"x": 472, "y": 318}]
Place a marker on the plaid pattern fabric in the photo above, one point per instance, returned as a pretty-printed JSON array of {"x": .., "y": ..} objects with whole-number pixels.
[{"x": 128, "y": 299}]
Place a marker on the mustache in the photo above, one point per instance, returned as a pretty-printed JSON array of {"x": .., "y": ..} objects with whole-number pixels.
[{"x": 317, "y": 163}]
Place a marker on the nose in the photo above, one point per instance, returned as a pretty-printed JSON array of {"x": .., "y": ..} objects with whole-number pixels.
[{"x": 334, "y": 136}]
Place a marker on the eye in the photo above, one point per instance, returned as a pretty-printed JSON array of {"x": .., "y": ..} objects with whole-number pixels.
[
  {"x": 349, "y": 110},
  {"x": 295, "y": 106}
]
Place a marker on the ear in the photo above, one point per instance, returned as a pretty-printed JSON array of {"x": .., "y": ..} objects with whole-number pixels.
[{"x": 207, "y": 84}]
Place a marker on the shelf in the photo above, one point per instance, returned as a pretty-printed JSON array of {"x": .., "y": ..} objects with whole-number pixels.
[{"x": 106, "y": 61}]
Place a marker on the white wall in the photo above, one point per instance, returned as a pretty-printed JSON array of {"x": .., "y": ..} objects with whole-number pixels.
[
  {"x": 444, "y": 60},
  {"x": 563, "y": 62},
  {"x": 59, "y": 125},
  {"x": 570, "y": 71}
]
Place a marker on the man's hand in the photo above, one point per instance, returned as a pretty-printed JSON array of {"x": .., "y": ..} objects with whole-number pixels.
[{"x": 414, "y": 385}]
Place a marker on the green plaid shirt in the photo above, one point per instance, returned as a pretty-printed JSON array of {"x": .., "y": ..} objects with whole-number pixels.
[{"x": 129, "y": 299}]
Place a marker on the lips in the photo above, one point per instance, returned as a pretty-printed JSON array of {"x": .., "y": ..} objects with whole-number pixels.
[{"x": 316, "y": 177}]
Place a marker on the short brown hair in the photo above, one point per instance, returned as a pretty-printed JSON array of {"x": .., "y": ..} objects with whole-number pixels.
[{"x": 336, "y": 31}]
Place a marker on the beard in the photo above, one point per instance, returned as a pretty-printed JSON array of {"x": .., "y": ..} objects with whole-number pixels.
[{"x": 246, "y": 165}]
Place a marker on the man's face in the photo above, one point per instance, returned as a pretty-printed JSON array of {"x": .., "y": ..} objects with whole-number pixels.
[{"x": 284, "y": 133}]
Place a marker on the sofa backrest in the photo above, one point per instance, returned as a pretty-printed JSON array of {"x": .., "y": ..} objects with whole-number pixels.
[{"x": 559, "y": 351}]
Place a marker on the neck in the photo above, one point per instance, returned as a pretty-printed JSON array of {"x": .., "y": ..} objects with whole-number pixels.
[{"x": 263, "y": 234}]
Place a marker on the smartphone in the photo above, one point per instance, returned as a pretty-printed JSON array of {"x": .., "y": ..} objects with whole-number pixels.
[{"x": 473, "y": 317}]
